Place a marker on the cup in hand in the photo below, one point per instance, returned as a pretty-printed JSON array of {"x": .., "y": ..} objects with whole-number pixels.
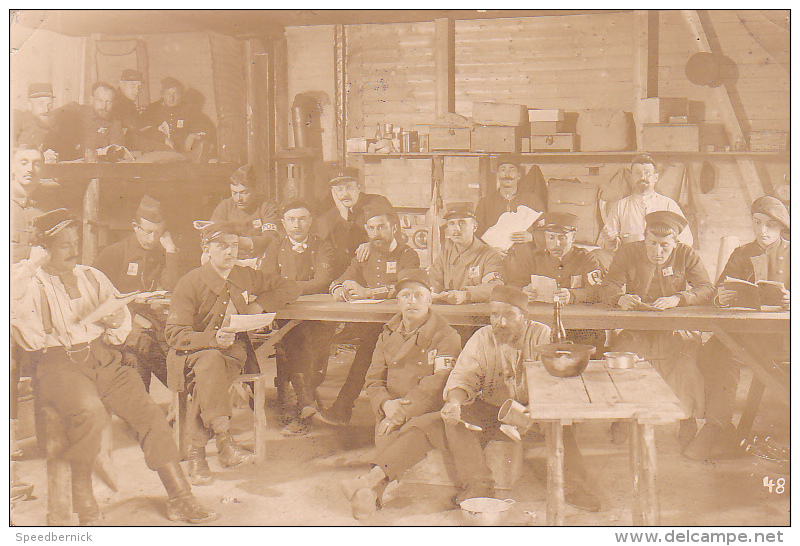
[{"x": 515, "y": 414}]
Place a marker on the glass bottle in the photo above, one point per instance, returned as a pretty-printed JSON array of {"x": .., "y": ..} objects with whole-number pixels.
[{"x": 558, "y": 333}]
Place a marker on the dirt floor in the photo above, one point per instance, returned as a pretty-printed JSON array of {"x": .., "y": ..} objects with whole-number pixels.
[{"x": 300, "y": 482}]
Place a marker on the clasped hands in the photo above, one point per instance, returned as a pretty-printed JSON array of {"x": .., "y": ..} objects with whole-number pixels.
[
  {"x": 396, "y": 412},
  {"x": 351, "y": 290},
  {"x": 629, "y": 302}
]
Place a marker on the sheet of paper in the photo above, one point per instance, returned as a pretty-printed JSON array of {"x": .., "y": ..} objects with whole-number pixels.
[
  {"x": 246, "y": 323},
  {"x": 499, "y": 235},
  {"x": 545, "y": 288}
]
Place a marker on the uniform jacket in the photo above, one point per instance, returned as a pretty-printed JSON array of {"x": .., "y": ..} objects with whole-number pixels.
[
  {"x": 181, "y": 120},
  {"x": 130, "y": 267},
  {"x": 683, "y": 275},
  {"x": 26, "y": 129},
  {"x": 495, "y": 372},
  {"x": 403, "y": 365},
  {"x": 22, "y": 211},
  {"x": 259, "y": 221},
  {"x": 477, "y": 270},
  {"x": 311, "y": 268},
  {"x": 751, "y": 262},
  {"x": 579, "y": 270},
  {"x": 493, "y": 205},
  {"x": 380, "y": 270}
]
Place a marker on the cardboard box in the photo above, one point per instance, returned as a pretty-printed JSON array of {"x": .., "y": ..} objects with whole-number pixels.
[
  {"x": 546, "y": 127},
  {"x": 448, "y": 139},
  {"x": 536, "y": 114},
  {"x": 769, "y": 141},
  {"x": 496, "y": 139},
  {"x": 671, "y": 138},
  {"x": 660, "y": 109},
  {"x": 357, "y": 145},
  {"x": 555, "y": 142},
  {"x": 495, "y": 113}
]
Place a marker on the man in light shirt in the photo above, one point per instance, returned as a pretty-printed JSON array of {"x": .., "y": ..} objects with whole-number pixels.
[{"x": 625, "y": 219}]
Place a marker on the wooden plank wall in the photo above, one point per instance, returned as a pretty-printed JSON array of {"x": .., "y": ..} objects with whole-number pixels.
[{"x": 230, "y": 91}]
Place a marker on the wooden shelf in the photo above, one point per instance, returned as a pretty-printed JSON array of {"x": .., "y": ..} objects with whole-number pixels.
[
  {"x": 162, "y": 172},
  {"x": 582, "y": 156}
]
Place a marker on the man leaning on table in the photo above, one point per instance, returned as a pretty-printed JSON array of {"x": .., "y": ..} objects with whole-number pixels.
[
  {"x": 205, "y": 357},
  {"x": 765, "y": 258},
  {"x": 660, "y": 273}
]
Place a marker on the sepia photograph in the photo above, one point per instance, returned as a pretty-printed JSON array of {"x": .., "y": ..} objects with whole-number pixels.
[{"x": 400, "y": 267}]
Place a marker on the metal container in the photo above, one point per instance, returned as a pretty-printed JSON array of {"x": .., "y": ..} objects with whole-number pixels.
[
  {"x": 485, "y": 511},
  {"x": 621, "y": 360},
  {"x": 565, "y": 359}
]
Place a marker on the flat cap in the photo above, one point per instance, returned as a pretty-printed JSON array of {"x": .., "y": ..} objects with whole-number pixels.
[
  {"x": 214, "y": 230},
  {"x": 510, "y": 295},
  {"x": 672, "y": 220},
  {"x": 296, "y": 203},
  {"x": 150, "y": 210},
  {"x": 560, "y": 222},
  {"x": 407, "y": 276},
  {"x": 39, "y": 90},
  {"x": 772, "y": 207},
  {"x": 131, "y": 75},
  {"x": 51, "y": 222},
  {"x": 508, "y": 159},
  {"x": 643, "y": 159},
  {"x": 462, "y": 209},
  {"x": 243, "y": 176},
  {"x": 378, "y": 207},
  {"x": 342, "y": 175},
  {"x": 169, "y": 82}
]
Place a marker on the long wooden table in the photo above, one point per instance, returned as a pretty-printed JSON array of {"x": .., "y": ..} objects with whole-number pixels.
[{"x": 639, "y": 395}]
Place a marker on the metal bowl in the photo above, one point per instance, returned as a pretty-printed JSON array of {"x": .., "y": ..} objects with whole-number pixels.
[
  {"x": 485, "y": 510},
  {"x": 620, "y": 360},
  {"x": 565, "y": 359}
]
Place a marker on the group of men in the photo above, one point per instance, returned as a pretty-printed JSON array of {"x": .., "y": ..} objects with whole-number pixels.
[
  {"x": 113, "y": 119},
  {"x": 425, "y": 379}
]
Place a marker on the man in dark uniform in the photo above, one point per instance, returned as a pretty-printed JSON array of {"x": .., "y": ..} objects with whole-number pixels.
[
  {"x": 126, "y": 106},
  {"x": 79, "y": 370},
  {"x": 32, "y": 126},
  {"x": 663, "y": 273},
  {"x": 343, "y": 223},
  {"x": 145, "y": 261},
  {"x": 302, "y": 354},
  {"x": 26, "y": 199},
  {"x": 204, "y": 355},
  {"x": 255, "y": 216},
  {"x": 507, "y": 198},
  {"x": 577, "y": 272},
  {"x": 765, "y": 258},
  {"x": 412, "y": 359},
  {"x": 373, "y": 278}
]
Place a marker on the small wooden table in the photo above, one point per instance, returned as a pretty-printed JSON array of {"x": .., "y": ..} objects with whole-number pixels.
[{"x": 638, "y": 394}]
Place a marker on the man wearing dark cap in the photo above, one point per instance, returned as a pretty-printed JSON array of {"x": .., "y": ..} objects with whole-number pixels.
[
  {"x": 373, "y": 278},
  {"x": 507, "y": 198},
  {"x": 145, "y": 261},
  {"x": 205, "y": 356},
  {"x": 254, "y": 215},
  {"x": 343, "y": 223},
  {"x": 302, "y": 354},
  {"x": 78, "y": 365},
  {"x": 488, "y": 372},
  {"x": 126, "y": 106},
  {"x": 27, "y": 198},
  {"x": 766, "y": 258},
  {"x": 32, "y": 126},
  {"x": 660, "y": 272},
  {"x": 176, "y": 126},
  {"x": 412, "y": 359},
  {"x": 467, "y": 269},
  {"x": 625, "y": 219}
]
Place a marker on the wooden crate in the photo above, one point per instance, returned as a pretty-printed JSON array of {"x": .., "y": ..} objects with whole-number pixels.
[
  {"x": 448, "y": 139},
  {"x": 461, "y": 180},
  {"x": 496, "y": 139},
  {"x": 671, "y": 138},
  {"x": 769, "y": 141},
  {"x": 660, "y": 109},
  {"x": 496, "y": 113},
  {"x": 556, "y": 142}
]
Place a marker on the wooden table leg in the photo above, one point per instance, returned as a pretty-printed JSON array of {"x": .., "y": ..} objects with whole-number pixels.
[
  {"x": 259, "y": 414},
  {"x": 652, "y": 515},
  {"x": 754, "y": 395},
  {"x": 555, "y": 472},
  {"x": 637, "y": 473}
]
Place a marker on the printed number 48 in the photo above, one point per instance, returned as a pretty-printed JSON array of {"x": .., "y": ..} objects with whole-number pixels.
[{"x": 778, "y": 485}]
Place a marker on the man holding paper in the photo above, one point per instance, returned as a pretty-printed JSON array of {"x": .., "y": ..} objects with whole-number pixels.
[
  {"x": 764, "y": 259},
  {"x": 78, "y": 365},
  {"x": 205, "y": 355}
]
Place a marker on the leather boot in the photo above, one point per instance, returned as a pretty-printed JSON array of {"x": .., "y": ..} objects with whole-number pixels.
[
  {"x": 199, "y": 472},
  {"x": 182, "y": 504},
  {"x": 83, "y": 501},
  {"x": 230, "y": 453}
]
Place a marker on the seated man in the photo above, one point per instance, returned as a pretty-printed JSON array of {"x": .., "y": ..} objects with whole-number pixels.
[
  {"x": 577, "y": 271},
  {"x": 410, "y": 365},
  {"x": 205, "y": 357},
  {"x": 32, "y": 126},
  {"x": 27, "y": 199},
  {"x": 255, "y": 216},
  {"x": 126, "y": 107},
  {"x": 664, "y": 273},
  {"x": 145, "y": 261},
  {"x": 373, "y": 278},
  {"x": 79, "y": 370},
  {"x": 302, "y": 354},
  {"x": 625, "y": 220},
  {"x": 765, "y": 258}
]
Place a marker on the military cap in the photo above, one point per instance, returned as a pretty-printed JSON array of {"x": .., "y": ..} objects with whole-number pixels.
[
  {"x": 771, "y": 207},
  {"x": 169, "y": 82},
  {"x": 296, "y": 203},
  {"x": 131, "y": 75},
  {"x": 342, "y": 175},
  {"x": 243, "y": 176},
  {"x": 459, "y": 210},
  {"x": 643, "y": 159},
  {"x": 559, "y": 222},
  {"x": 407, "y": 276},
  {"x": 378, "y": 207},
  {"x": 214, "y": 230},
  {"x": 510, "y": 295},
  {"x": 150, "y": 210},
  {"x": 672, "y": 220},
  {"x": 508, "y": 159},
  {"x": 39, "y": 90},
  {"x": 48, "y": 224}
]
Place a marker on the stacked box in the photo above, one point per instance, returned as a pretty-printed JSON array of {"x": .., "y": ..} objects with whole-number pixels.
[
  {"x": 671, "y": 138},
  {"x": 494, "y": 113},
  {"x": 769, "y": 141},
  {"x": 461, "y": 180},
  {"x": 496, "y": 139},
  {"x": 448, "y": 139},
  {"x": 557, "y": 142},
  {"x": 660, "y": 109}
]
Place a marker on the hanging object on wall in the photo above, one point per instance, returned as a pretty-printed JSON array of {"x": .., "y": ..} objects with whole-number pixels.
[{"x": 711, "y": 69}]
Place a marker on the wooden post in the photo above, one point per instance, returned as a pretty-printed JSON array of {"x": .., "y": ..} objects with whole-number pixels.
[
  {"x": 444, "y": 55},
  {"x": 91, "y": 217},
  {"x": 645, "y": 56},
  {"x": 259, "y": 414},
  {"x": 250, "y": 106},
  {"x": 637, "y": 472},
  {"x": 651, "y": 513},
  {"x": 340, "y": 102},
  {"x": 180, "y": 428},
  {"x": 554, "y": 438}
]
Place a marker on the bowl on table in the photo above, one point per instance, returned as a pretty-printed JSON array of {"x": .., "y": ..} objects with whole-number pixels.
[
  {"x": 485, "y": 510},
  {"x": 621, "y": 360},
  {"x": 565, "y": 359}
]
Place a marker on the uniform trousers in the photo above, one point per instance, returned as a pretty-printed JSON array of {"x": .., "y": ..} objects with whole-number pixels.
[
  {"x": 305, "y": 350},
  {"x": 84, "y": 391},
  {"x": 367, "y": 334},
  {"x": 143, "y": 352}
]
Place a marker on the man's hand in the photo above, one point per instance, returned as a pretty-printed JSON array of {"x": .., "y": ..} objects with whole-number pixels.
[
  {"x": 628, "y": 302},
  {"x": 50, "y": 156},
  {"x": 725, "y": 296},
  {"x": 166, "y": 242},
  {"x": 667, "y": 302},
  {"x": 114, "y": 320},
  {"x": 191, "y": 138},
  {"x": 456, "y": 297},
  {"x": 225, "y": 338},
  {"x": 563, "y": 295},
  {"x": 386, "y": 426},
  {"x": 339, "y": 294},
  {"x": 522, "y": 237},
  {"x": 786, "y": 299},
  {"x": 253, "y": 309},
  {"x": 451, "y": 412},
  {"x": 362, "y": 252},
  {"x": 355, "y": 291},
  {"x": 245, "y": 244},
  {"x": 531, "y": 292},
  {"x": 39, "y": 256},
  {"x": 396, "y": 410}
]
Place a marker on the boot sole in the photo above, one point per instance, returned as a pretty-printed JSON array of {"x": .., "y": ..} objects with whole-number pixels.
[{"x": 194, "y": 521}]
